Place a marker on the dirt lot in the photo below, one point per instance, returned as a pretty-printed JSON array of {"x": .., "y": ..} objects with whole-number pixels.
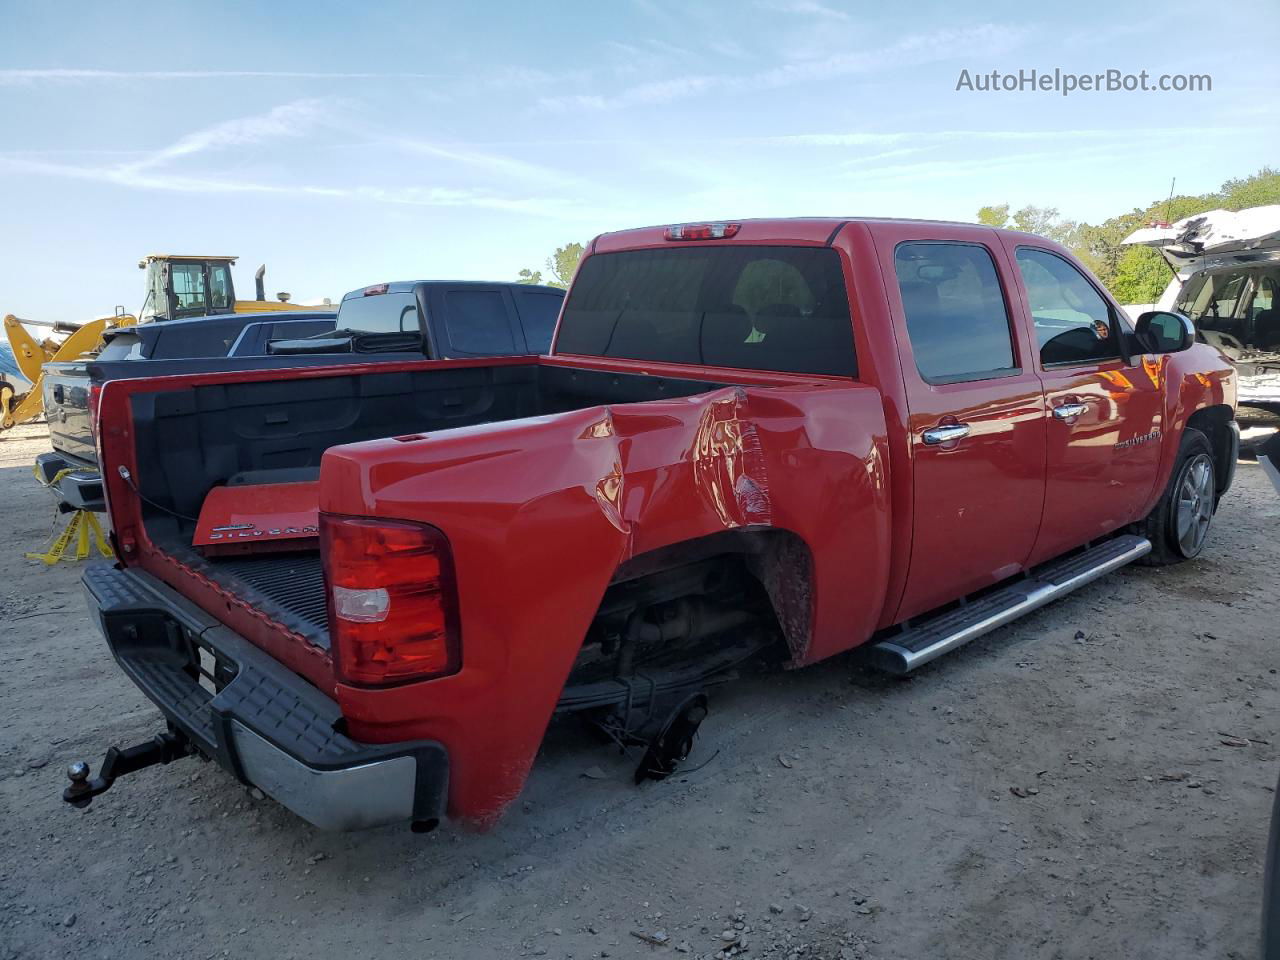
[{"x": 836, "y": 814}]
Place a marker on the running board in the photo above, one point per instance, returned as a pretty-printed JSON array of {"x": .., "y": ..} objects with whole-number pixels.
[{"x": 930, "y": 639}]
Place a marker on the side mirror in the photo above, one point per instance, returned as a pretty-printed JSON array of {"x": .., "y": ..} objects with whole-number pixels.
[{"x": 1159, "y": 331}]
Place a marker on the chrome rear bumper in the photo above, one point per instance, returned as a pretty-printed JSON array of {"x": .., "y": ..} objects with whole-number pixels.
[{"x": 262, "y": 722}]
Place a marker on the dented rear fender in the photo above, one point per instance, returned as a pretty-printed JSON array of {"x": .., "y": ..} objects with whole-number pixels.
[{"x": 541, "y": 512}]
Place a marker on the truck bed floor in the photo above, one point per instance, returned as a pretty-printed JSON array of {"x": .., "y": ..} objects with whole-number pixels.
[{"x": 293, "y": 582}]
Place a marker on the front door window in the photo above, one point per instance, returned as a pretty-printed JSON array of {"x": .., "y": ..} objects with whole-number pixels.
[{"x": 1073, "y": 323}]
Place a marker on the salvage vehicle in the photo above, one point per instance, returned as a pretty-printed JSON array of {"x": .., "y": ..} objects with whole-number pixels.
[
  {"x": 377, "y": 324},
  {"x": 368, "y": 590},
  {"x": 1226, "y": 276}
]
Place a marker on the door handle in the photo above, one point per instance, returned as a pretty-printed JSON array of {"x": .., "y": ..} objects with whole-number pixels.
[
  {"x": 946, "y": 434},
  {"x": 1069, "y": 411}
]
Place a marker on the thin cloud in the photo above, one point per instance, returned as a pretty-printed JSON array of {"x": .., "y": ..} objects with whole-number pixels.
[
  {"x": 858, "y": 139},
  {"x": 986, "y": 40},
  {"x": 808, "y": 8},
  {"x": 155, "y": 170},
  {"x": 77, "y": 75},
  {"x": 288, "y": 120},
  {"x": 499, "y": 164},
  {"x": 418, "y": 196}
]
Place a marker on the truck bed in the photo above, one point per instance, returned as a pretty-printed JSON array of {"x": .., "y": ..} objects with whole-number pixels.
[{"x": 190, "y": 439}]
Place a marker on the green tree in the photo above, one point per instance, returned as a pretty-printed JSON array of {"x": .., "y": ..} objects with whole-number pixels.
[
  {"x": 1039, "y": 220},
  {"x": 1256, "y": 191},
  {"x": 1133, "y": 274},
  {"x": 1141, "y": 275},
  {"x": 564, "y": 263},
  {"x": 997, "y": 216},
  {"x": 561, "y": 265}
]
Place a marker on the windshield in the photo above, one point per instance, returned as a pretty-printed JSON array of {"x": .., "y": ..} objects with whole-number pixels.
[
  {"x": 750, "y": 307},
  {"x": 380, "y": 313}
]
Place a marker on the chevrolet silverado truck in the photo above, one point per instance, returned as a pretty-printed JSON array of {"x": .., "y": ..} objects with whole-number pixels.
[
  {"x": 376, "y": 324},
  {"x": 369, "y": 590}
]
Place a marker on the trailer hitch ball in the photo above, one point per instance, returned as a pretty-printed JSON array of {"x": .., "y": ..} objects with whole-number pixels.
[
  {"x": 120, "y": 761},
  {"x": 78, "y": 774}
]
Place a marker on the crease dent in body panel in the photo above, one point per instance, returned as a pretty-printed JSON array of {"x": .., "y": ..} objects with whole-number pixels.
[
  {"x": 728, "y": 463},
  {"x": 608, "y": 489}
]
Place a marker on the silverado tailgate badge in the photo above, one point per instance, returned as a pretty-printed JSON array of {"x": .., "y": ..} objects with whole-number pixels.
[{"x": 270, "y": 516}]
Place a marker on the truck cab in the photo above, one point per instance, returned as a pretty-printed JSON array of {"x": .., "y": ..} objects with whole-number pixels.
[{"x": 445, "y": 319}]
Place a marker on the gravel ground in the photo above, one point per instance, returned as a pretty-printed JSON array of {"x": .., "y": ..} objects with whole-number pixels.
[{"x": 1092, "y": 781}]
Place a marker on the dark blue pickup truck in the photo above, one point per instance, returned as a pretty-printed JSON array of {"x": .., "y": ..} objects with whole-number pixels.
[{"x": 442, "y": 320}]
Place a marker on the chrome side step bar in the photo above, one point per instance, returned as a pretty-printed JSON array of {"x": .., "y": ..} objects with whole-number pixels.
[{"x": 930, "y": 639}]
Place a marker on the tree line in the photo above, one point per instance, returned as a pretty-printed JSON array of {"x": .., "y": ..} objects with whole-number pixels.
[{"x": 1133, "y": 274}]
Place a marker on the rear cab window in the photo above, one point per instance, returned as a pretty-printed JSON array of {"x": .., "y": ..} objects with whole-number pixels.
[
  {"x": 380, "y": 313},
  {"x": 122, "y": 346},
  {"x": 744, "y": 306}
]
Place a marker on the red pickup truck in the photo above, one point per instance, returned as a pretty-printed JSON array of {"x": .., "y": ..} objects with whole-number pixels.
[{"x": 766, "y": 441}]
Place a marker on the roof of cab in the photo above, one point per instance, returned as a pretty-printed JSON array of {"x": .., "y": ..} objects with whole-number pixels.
[
  {"x": 406, "y": 286},
  {"x": 805, "y": 230},
  {"x": 180, "y": 256}
]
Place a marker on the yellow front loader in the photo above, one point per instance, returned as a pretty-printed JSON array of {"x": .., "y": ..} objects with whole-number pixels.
[
  {"x": 30, "y": 356},
  {"x": 180, "y": 286}
]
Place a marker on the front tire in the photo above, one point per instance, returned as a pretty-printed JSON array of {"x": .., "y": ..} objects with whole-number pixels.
[{"x": 1179, "y": 525}]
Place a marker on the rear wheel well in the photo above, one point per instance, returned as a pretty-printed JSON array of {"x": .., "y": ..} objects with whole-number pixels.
[
  {"x": 689, "y": 611},
  {"x": 1216, "y": 423},
  {"x": 779, "y": 560}
]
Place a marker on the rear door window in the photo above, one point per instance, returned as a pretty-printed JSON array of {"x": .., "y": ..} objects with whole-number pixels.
[
  {"x": 211, "y": 337},
  {"x": 1073, "y": 322},
  {"x": 1226, "y": 294},
  {"x": 1264, "y": 298},
  {"x": 730, "y": 305},
  {"x": 538, "y": 311},
  {"x": 955, "y": 310},
  {"x": 478, "y": 322}
]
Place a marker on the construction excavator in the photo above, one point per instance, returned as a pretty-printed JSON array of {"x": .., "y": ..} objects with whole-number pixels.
[
  {"x": 30, "y": 355},
  {"x": 177, "y": 287}
]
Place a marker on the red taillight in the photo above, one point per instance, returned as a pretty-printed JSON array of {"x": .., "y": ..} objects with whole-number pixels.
[
  {"x": 393, "y": 611},
  {"x": 376, "y": 289},
  {"x": 702, "y": 231},
  {"x": 95, "y": 395}
]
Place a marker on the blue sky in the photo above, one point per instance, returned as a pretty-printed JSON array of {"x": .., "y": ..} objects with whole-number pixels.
[{"x": 345, "y": 144}]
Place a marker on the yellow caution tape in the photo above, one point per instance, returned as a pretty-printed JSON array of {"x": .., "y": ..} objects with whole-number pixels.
[{"x": 83, "y": 527}]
